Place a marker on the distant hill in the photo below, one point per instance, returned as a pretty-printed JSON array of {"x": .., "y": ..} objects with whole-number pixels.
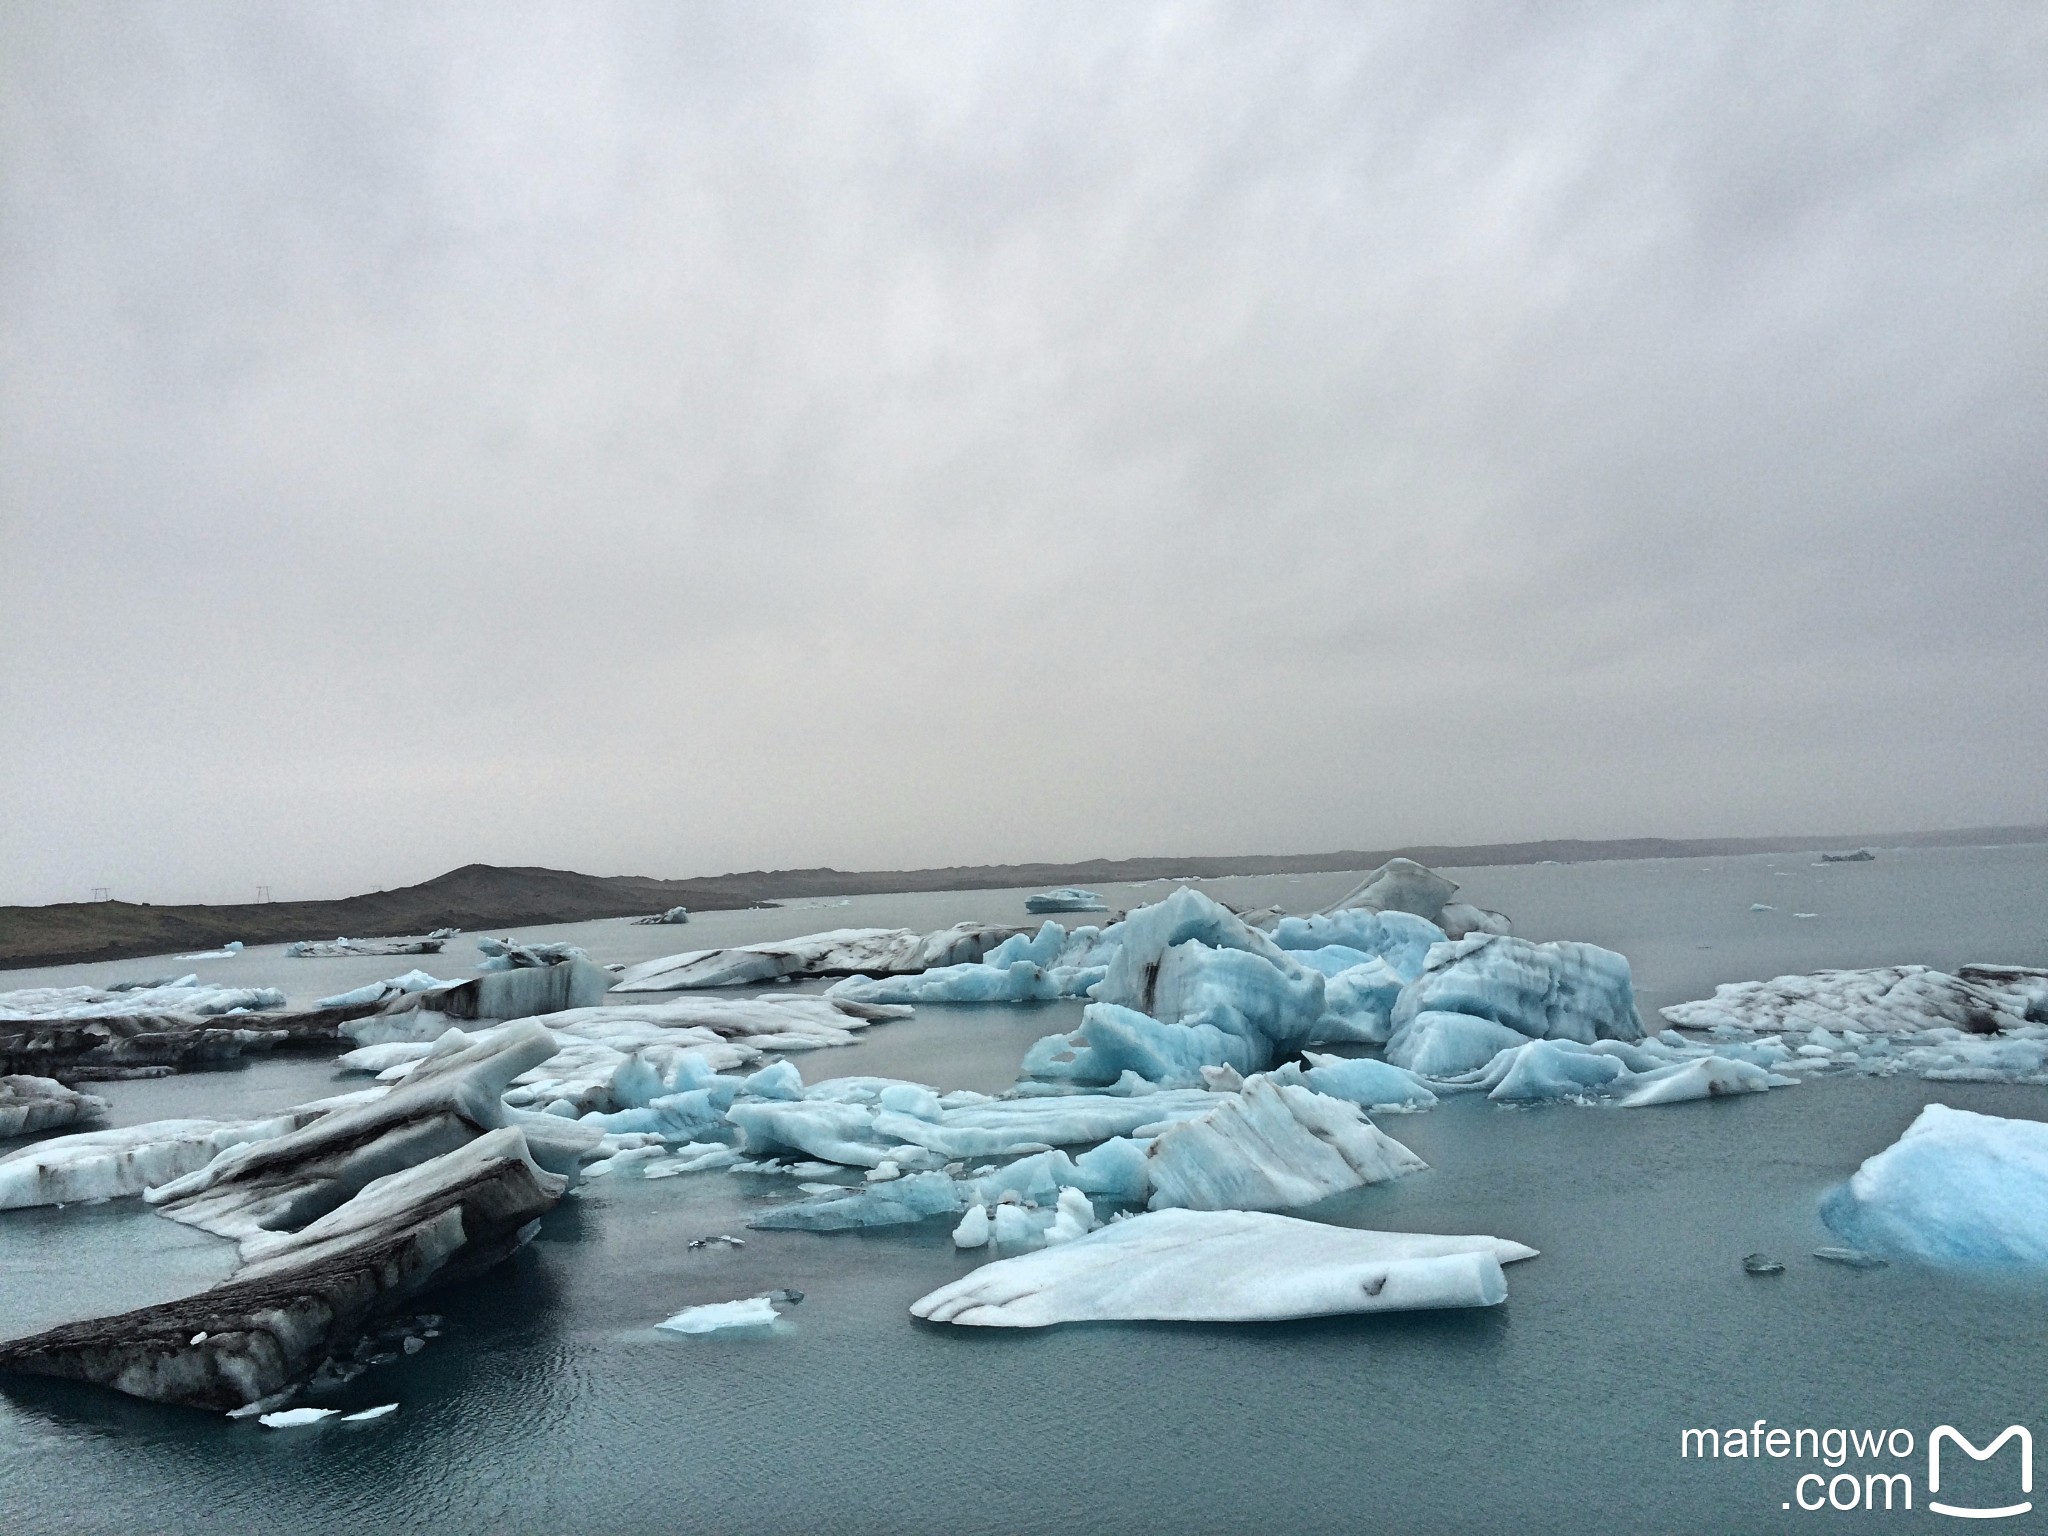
[{"x": 488, "y": 896}]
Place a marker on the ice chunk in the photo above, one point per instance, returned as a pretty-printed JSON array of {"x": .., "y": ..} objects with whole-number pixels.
[
  {"x": 1068, "y": 898},
  {"x": 1711, "y": 1077},
  {"x": 1436, "y": 1044},
  {"x": 31, "y": 1104},
  {"x": 750, "y": 1312},
  {"x": 1360, "y": 1079},
  {"x": 1073, "y": 1217},
  {"x": 841, "y": 952},
  {"x": 1113, "y": 1040},
  {"x": 1563, "y": 990},
  {"x": 314, "y": 949},
  {"x": 1271, "y": 1148},
  {"x": 1401, "y": 939},
  {"x": 384, "y": 991},
  {"x": 184, "y": 998},
  {"x": 1358, "y": 1004},
  {"x": 672, "y": 916},
  {"x": 369, "y": 1414},
  {"x": 1956, "y": 1188},
  {"x": 1224, "y": 1266},
  {"x": 973, "y": 1231},
  {"x": 1889, "y": 999},
  {"x": 100, "y": 1165}
]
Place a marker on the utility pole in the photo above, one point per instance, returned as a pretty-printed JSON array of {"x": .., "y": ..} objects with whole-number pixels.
[
  {"x": 102, "y": 893},
  {"x": 263, "y": 893}
]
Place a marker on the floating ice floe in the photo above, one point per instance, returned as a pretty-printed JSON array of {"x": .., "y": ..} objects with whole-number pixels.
[
  {"x": 1956, "y": 1188},
  {"x": 1224, "y": 1266},
  {"x": 1068, "y": 898},
  {"x": 718, "y": 1316},
  {"x": 295, "y": 1418},
  {"x": 312, "y": 949},
  {"x": 1860, "y": 856},
  {"x": 1402, "y": 885},
  {"x": 29, "y": 1104},
  {"x": 841, "y": 952}
]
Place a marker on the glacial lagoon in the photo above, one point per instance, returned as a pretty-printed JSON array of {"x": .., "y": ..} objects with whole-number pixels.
[{"x": 548, "y": 1401}]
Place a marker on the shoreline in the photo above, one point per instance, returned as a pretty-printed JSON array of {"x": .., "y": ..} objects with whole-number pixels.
[{"x": 481, "y": 896}]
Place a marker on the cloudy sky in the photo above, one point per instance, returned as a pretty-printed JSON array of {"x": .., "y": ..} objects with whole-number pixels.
[{"x": 679, "y": 438}]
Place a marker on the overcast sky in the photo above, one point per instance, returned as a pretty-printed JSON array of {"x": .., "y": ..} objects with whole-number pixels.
[{"x": 671, "y": 439}]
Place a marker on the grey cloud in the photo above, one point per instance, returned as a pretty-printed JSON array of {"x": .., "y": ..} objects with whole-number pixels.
[{"x": 672, "y": 439}]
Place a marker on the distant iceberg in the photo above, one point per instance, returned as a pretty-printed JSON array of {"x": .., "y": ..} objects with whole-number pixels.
[
  {"x": 1402, "y": 885},
  {"x": 841, "y": 952},
  {"x": 1068, "y": 898}
]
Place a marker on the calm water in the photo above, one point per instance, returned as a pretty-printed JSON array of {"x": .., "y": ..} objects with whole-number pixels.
[{"x": 550, "y": 1403}]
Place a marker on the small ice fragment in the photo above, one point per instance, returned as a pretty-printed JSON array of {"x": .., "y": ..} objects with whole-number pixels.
[
  {"x": 750, "y": 1312},
  {"x": 1761, "y": 1264},
  {"x": 1757, "y": 906},
  {"x": 292, "y": 1418},
  {"x": 973, "y": 1229},
  {"x": 1855, "y": 1258},
  {"x": 884, "y": 1171},
  {"x": 1806, "y": 914},
  {"x": 199, "y": 1337},
  {"x": 414, "y": 1344},
  {"x": 369, "y": 1413}
]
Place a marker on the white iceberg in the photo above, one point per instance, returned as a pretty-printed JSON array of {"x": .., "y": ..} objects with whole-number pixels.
[
  {"x": 293, "y": 1418},
  {"x": 384, "y": 991},
  {"x": 717, "y": 1316},
  {"x": 1957, "y": 1188},
  {"x": 1224, "y": 1266}
]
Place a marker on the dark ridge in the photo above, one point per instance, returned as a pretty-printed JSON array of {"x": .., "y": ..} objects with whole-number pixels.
[{"x": 487, "y": 896}]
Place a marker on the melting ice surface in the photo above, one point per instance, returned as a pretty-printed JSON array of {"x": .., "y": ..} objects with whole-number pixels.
[{"x": 549, "y": 1404}]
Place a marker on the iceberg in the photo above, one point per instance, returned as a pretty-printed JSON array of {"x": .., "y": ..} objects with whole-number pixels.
[
  {"x": 1363, "y": 1080},
  {"x": 1271, "y": 1147},
  {"x": 1114, "y": 1040},
  {"x": 670, "y": 918},
  {"x": 300, "y": 1294},
  {"x": 172, "y": 1000},
  {"x": 254, "y": 1191},
  {"x": 1956, "y": 1188},
  {"x": 316, "y": 949},
  {"x": 1563, "y": 990},
  {"x": 1892, "y": 999},
  {"x": 1402, "y": 885},
  {"x": 1400, "y": 939},
  {"x": 1021, "y": 981},
  {"x": 1224, "y": 1267},
  {"x": 105, "y": 1165},
  {"x": 841, "y": 952},
  {"x": 381, "y": 992},
  {"x": 1068, "y": 898},
  {"x": 31, "y": 1104},
  {"x": 511, "y": 955}
]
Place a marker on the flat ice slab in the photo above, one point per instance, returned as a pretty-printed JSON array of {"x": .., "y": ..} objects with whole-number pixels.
[
  {"x": 1225, "y": 1267},
  {"x": 751, "y": 1312}
]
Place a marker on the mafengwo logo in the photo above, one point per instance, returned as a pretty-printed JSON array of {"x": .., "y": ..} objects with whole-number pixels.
[{"x": 1873, "y": 1470}]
